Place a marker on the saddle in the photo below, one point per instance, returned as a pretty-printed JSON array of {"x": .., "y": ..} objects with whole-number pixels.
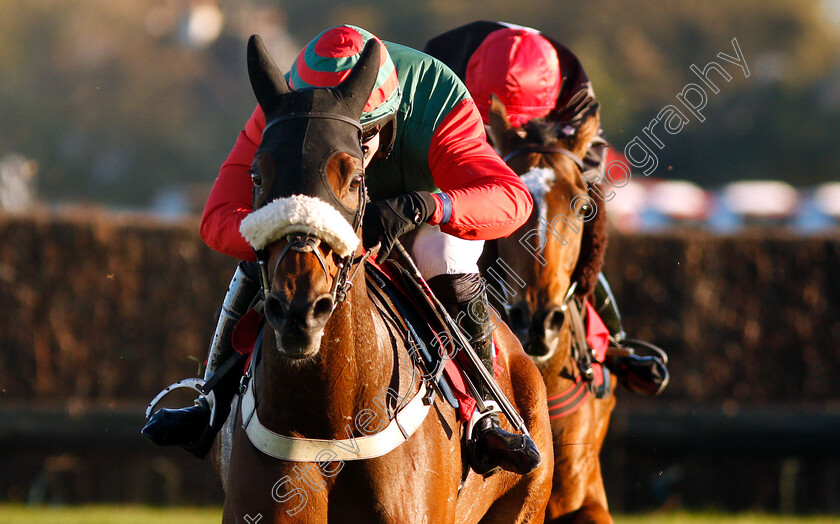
[{"x": 402, "y": 301}]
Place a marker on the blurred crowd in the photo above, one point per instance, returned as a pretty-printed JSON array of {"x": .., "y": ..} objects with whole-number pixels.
[{"x": 650, "y": 204}]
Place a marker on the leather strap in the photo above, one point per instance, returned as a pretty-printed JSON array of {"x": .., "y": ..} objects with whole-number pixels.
[
  {"x": 401, "y": 427},
  {"x": 580, "y": 348},
  {"x": 312, "y": 114},
  {"x": 569, "y": 400},
  {"x": 535, "y": 148}
]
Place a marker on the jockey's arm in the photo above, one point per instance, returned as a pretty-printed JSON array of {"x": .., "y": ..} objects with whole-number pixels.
[
  {"x": 488, "y": 199},
  {"x": 231, "y": 198}
]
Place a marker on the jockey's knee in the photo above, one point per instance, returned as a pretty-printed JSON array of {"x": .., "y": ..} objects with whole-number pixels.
[{"x": 437, "y": 253}]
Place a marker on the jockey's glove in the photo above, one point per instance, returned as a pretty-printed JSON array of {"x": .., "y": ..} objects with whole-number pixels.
[{"x": 386, "y": 220}]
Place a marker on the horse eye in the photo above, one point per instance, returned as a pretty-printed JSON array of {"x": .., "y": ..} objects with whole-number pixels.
[
  {"x": 256, "y": 178},
  {"x": 365, "y": 151},
  {"x": 356, "y": 183}
]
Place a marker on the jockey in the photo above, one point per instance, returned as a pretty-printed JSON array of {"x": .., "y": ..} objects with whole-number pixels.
[
  {"x": 534, "y": 76},
  {"x": 427, "y": 161}
]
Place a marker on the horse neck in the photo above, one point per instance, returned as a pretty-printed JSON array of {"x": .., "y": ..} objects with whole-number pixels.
[{"x": 318, "y": 398}]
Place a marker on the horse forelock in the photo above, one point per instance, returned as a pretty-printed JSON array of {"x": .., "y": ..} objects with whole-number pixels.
[
  {"x": 540, "y": 131},
  {"x": 299, "y": 214}
]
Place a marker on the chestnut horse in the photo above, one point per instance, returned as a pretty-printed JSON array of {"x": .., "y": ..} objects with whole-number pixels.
[
  {"x": 331, "y": 372},
  {"x": 535, "y": 291}
]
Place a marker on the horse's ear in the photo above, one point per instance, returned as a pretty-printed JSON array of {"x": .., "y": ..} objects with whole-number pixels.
[
  {"x": 267, "y": 81},
  {"x": 499, "y": 124},
  {"x": 588, "y": 128},
  {"x": 359, "y": 83}
]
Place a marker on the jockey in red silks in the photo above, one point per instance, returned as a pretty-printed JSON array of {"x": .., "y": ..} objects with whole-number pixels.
[
  {"x": 534, "y": 76},
  {"x": 427, "y": 161}
]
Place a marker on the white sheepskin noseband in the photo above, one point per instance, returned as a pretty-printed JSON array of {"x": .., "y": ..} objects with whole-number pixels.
[{"x": 299, "y": 214}]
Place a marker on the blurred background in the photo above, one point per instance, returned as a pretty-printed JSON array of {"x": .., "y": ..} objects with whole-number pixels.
[
  {"x": 135, "y": 106},
  {"x": 114, "y": 119}
]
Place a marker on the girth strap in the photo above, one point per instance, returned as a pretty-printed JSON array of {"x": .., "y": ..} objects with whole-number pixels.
[{"x": 569, "y": 400}]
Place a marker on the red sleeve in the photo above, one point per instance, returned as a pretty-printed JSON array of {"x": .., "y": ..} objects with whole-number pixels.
[
  {"x": 231, "y": 198},
  {"x": 488, "y": 199}
]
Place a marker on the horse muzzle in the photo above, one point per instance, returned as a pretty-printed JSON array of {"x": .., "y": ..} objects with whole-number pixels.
[
  {"x": 539, "y": 333},
  {"x": 298, "y": 325}
]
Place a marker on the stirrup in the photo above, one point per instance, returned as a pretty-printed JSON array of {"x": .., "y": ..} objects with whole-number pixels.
[
  {"x": 513, "y": 452},
  {"x": 634, "y": 344},
  {"x": 627, "y": 364},
  {"x": 195, "y": 384},
  {"x": 490, "y": 408}
]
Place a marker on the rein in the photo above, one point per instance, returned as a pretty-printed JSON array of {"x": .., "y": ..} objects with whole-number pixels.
[{"x": 534, "y": 148}]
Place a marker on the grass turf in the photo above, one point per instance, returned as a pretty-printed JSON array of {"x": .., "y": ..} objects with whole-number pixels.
[
  {"x": 681, "y": 517},
  {"x": 101, "y": 514}
]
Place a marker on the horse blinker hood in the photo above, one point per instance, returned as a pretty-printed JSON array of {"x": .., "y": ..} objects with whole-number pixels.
[{"x": 306, "y": 128}]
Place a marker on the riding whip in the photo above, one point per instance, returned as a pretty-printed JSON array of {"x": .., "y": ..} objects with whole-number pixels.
[{"x": 496, "y": 392}]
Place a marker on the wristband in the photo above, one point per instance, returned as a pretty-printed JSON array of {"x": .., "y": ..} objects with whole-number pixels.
[{"x": 447, "y": 207}]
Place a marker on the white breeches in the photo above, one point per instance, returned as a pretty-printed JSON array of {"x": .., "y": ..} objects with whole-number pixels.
[{"x": 437, "y": 253}]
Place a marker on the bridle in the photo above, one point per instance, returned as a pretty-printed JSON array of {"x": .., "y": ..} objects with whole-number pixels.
[
  {"x": 570, "y": 307},
  {"x": 406, "y": 420},
  {"x": 306, "y": 243},
  {"x": 536, "y": 148},
  {"x": 569, "y": 400}
]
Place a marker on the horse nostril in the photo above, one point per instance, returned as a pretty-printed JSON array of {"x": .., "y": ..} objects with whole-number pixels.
[
  {"x": 274, "y": 311},
  {"x": 555, "y": 319},
  {"x": 518, "y": 318},
  {"x": 321, "y": 310}
]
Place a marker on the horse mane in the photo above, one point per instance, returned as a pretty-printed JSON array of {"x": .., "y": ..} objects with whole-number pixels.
[
  {"x": 593, "y": 244},
  {"x": 593, "y": 247}
]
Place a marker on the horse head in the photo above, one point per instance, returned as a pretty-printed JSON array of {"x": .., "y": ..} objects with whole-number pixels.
[
  {"x": 309, "y": 196},
  {"x": 559, "y": 226}
]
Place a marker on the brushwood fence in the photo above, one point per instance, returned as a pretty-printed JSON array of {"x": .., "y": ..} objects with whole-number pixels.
[{"x": 98, "y": 311}]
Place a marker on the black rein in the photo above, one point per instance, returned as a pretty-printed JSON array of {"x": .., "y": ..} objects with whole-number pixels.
[{"x": 534, "y": 148}]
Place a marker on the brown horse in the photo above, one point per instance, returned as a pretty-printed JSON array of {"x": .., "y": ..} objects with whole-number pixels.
[
  {"x": 534, "y": 291},
  {"x": 331, "y": 384}
]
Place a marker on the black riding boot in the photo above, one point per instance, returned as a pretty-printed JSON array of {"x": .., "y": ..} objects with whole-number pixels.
[
  {"x": 490, "y": 447},
  {"x": 647, "y": 375},
  {"x": 190, "y": 427}
]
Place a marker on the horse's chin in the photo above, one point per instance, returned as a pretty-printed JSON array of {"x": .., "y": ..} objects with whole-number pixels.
[{"x": 298, "y": 351}]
